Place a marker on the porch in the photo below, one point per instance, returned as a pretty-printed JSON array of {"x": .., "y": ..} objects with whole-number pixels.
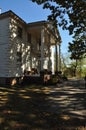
[{"x": 44, "y": 41}]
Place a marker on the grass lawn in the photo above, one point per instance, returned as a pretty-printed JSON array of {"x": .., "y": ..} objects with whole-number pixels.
[{"x": 42, "y": 107}]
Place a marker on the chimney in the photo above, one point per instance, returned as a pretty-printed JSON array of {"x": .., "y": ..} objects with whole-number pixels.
[{"x": 0, "y": 10}]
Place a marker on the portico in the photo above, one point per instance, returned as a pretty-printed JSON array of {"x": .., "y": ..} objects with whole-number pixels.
[{"x": 43, "y": 40}]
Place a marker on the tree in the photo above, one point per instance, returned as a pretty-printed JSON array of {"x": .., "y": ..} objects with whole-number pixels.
[
  {"x": 75, "y": 9},
  {"x": 71, "y": 15},
  {"x": 72, "y": 68},
  {"x": 77, "y": 49}
]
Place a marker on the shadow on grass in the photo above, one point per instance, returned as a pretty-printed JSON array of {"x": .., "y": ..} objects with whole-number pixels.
[{"x": 42, "y": 108}]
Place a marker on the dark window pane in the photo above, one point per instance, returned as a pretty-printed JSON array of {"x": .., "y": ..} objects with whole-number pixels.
[
  {"x": 29, "y": 37},
  {"x": 20, "y": 32},
  {"x": 19, "y": 57}
]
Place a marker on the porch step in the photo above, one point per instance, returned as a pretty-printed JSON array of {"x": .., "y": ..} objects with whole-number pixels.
[{"x": 32, "y": 80}]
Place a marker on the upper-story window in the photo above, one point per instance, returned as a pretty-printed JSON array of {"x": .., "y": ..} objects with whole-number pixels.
[
  {"x": 20, "y": 30},
  {"x": 19, "y": 57},
  {"x": 29, "y": 37}
]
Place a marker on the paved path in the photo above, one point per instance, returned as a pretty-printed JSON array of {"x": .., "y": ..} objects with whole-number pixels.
[{"x": 59, "y": 107}]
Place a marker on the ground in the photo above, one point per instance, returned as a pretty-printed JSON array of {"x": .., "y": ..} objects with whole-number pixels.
[{"x": 55, "y": 107}]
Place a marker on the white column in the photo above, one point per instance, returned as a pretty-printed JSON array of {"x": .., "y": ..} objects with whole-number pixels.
[
  {"x": 49, "y": 53},
  {"x": 53, "y": 59},
  {"x": 42, "y": 48},
  {"x": 56, "y": 56},
  {"x": 59, "y": 58}
]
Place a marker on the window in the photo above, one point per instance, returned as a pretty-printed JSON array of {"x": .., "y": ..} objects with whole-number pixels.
[
  {"x": 19, "y": 57},
  {"x": 29, "y": 37},
  {"x": 20, "y": 32},
  {"x": 39, "y": 44}
]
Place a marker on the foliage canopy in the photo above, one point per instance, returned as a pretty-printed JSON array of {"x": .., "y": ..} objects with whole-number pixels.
[
  {"x": 75, "y": 9},
  {"x": 70, "y": 15}
]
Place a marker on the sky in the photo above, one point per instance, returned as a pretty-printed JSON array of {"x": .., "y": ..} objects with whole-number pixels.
[{"x": 31, "y": 12}]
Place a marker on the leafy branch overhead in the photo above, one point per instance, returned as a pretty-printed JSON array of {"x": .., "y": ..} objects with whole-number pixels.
[
  {"x": 77, "y": 49},
  {"x": 61, "y": 10},
  {"x": 70, "y": 15}
]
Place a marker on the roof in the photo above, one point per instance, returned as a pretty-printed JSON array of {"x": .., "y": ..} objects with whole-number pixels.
[
  {"x": 10, "y": 13},
  {"x": 38, "y": 23}
]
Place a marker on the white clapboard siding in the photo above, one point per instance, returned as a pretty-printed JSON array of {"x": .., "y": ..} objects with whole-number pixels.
[
  {"x": 4, "y": 47},
  {"x": 9, "y": 47},
  {"x": 16, "y": 44},
  {"x": 4, "y": 62}
]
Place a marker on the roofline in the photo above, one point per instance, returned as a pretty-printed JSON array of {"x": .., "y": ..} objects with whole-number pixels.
[
  {"x": 38, "y": 23},
  {"x": 41, "y": 23},
  {"x": 11, "y": 13}
]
